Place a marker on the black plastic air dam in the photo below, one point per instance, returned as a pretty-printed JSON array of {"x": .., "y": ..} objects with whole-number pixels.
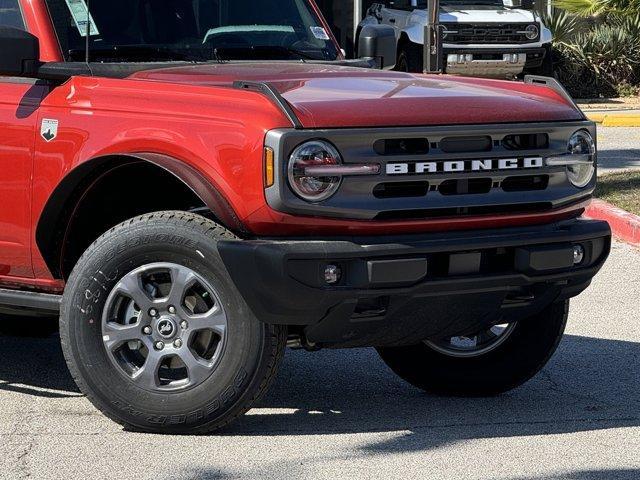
[{"x": 445, "y": 283}]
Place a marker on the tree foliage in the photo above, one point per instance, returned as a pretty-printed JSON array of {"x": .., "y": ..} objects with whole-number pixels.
[{"x": 597, "y": 46}]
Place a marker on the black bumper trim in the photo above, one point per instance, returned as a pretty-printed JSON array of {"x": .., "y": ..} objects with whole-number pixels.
[{"x": 282, "y": 281}]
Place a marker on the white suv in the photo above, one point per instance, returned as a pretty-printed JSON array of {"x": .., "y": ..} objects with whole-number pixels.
[{"x": 483, "y": 38}]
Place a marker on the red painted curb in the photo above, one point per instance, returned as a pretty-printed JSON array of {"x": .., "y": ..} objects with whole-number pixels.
[{"x": 625, "y": 225}]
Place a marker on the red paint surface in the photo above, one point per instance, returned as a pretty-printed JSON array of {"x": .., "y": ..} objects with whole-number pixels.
[
  {"x": 625, "y": 225},
  {"x": 330, "y": 96},
  {"x": 18, "y": 102},
  {"x": 38, "y": 22},
  {"x": 192, "y": 115},
  {"x": 272, "y": 223}
]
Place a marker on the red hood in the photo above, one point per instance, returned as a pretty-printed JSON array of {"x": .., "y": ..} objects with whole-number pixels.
[{"x": 330, "y": 96}]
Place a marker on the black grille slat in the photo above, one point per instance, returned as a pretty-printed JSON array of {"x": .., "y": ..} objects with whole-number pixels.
[
  {"x": 466, "y": 144},
  {"x": 486, "y": 34},
  {"x": 526, "y": 183},
  {"x": 529, "y": 141},
  {"x": 402, "y": 146},
  {"x": 401, "y": 189}
]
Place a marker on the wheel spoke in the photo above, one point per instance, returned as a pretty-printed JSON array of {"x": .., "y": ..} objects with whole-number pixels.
[
  {"x": 182, "y": 279},
  {"x": 115, "y": 334},
  {"x": 215, "y": 319},
  {"x": 198, "y": 369},
  {"x": 147, "y": 376},
  {"x": 131, "y": 286}
]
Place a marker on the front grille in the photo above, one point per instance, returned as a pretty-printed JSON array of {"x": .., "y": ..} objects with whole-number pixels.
[
  {"x": 510, "y": 33},
  {"x": 438, "y": 171}
]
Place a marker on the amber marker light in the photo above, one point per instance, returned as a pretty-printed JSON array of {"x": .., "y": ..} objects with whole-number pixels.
[{"x": 269, "y": 172}]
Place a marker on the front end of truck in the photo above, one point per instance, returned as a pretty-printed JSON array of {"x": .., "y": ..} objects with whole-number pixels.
[
  {"x": 499, "y": 235},
  {"x": 277, "y": 195}
]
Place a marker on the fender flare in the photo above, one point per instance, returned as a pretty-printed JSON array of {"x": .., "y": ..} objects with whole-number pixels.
[{"x": 58, "y": 210}]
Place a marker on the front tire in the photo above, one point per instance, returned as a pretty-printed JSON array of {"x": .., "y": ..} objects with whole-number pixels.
[
  {"x": 155, "y": 333},
  {"x": 485, "y": 368}
]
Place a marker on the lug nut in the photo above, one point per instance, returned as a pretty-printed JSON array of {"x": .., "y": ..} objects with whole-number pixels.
[
  {"x": 147, "y": 330},
  {"x": 177, "y": 343},
  {"x": 172, "y": 309},
  {"x": 184, "y": 325},
  {"x": 159, "y": 345},
  {"x": 153, "y": 312}
]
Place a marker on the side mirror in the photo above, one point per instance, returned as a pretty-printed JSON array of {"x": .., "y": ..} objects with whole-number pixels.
[
  {"x": 527, "y": 4},
  {"x": 20, "y": 53},
  {"x": 378, "y": 42}
]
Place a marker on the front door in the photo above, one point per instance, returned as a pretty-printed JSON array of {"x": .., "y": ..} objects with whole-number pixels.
[{"x": 19, "y": 100}]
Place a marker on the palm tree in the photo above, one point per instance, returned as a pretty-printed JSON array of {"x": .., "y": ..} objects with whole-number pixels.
[{"x": 599, "y": 8}]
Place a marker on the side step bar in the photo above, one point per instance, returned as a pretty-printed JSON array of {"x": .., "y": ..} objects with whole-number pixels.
[{"x": 39, "y": 302}]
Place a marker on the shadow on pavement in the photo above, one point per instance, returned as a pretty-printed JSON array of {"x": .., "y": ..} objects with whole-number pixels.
[
  {"x": 35, "y": 366},
  {"x": 616, "y": 474},
  {"x": 591, "y": 384}
]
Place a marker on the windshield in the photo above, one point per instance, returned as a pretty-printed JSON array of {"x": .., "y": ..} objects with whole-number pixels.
[{"x": 191, "y": 30}]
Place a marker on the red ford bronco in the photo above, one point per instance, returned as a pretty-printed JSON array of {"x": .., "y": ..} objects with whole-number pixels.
[{"x": 193, "y": 185}]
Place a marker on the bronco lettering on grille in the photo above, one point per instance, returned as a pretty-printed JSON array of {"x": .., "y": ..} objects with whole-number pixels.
[{"x": 462, "y": 166}]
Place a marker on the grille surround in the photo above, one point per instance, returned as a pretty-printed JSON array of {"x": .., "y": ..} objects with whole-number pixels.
[
  {"x": 488, "y": 33},
  {"x": 356, "y": 200}
]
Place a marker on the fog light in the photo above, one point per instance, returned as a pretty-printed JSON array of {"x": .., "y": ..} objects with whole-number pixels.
[
  {"x": 332, "y": 274},
  {"x": 578, "y": 254}
]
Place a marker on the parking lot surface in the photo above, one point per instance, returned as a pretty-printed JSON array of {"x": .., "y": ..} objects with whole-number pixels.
[
  {"x": 343, "y": 414},
  {"x": 619, "y": 149}
]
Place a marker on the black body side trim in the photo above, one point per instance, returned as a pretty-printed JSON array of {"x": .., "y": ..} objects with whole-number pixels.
[
  {"x": 55, "y": 217},
  {"x": 31, "y": 301},
  {"x": 274, "y": 96}
]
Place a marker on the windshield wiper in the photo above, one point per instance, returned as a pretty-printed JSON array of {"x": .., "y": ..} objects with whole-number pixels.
[{"x": 139, "y": 53}]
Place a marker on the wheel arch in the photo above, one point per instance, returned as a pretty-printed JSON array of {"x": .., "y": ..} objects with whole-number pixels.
[{"x": 72, "y": 196}]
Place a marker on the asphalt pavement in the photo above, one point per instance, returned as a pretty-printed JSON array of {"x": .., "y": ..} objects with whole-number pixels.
[
  {"x": 619, "y": 149},
  {"x": 343, "y": 414}
]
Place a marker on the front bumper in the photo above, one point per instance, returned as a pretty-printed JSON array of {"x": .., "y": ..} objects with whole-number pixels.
[
  {"x": 401, "y": 290},
  {"x": 491, "y": 62}
]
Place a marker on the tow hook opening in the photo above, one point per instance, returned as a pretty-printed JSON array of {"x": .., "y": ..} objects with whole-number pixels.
[{"x": 370, "y": 308}]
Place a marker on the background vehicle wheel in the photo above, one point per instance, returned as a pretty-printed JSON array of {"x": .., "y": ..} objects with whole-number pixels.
[
  {"x": 493, "y": 361},
  {"x": 156, "y": 334},
  {"x": 410, "y": 59}
]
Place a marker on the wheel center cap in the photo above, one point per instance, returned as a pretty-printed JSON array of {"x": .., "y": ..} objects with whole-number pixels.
[{"x": 166, "y": 328}]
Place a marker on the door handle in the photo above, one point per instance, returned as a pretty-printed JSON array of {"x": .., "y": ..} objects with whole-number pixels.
[{"x": 392, "y": 20}]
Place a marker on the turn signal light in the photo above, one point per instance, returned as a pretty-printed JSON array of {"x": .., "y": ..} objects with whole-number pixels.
[{"x": 269, "y": 172}]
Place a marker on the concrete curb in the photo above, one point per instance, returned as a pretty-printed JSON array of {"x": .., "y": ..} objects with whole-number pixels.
[
  {"x": 625, "y": 225},
  {"x": 615, "y": 119}
]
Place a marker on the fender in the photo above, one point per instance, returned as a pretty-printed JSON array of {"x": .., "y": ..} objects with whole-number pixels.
[{"x": 58, "y": 211}]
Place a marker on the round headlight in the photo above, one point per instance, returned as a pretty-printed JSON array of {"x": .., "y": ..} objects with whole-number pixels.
[
  {"x": 316, "y": 153},
  {"x": 581, "y": 143},
  {"x": 532, "y": 32}
]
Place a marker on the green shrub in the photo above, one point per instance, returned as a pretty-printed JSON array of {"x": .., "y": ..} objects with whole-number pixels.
[{"x": 597, "y": 56}]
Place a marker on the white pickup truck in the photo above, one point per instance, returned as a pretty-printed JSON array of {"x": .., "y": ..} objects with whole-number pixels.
[{"x": 483, "y": 38}]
